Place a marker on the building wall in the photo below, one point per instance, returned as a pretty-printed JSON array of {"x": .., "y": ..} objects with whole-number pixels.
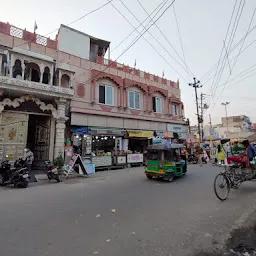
[
  {"x": 71, "y": 52},
  {"x": 242, "y": 122},
  {"x": 73, "y": 43}
]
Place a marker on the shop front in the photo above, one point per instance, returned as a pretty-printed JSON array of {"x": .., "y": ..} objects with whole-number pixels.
[
  {"x": 180, "y": 131},
  {"x": 27, "y": 121},
  {"x": 137, "y": 145}
]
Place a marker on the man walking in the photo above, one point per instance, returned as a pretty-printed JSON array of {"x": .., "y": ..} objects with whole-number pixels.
[{"x": 29, "y": 158}]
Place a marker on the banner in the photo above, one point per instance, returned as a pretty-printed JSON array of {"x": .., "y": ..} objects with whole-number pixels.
[{"x": 143, "y": 134}]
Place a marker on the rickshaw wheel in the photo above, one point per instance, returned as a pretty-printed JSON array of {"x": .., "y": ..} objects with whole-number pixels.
[
  {"x": 170, "y": 177},
  {"x": 223, "y": 184},
  {"x": 149, "y": 176}
]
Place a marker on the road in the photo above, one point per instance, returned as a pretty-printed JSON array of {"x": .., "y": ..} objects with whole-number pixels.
[{"x": 152, "y": 218}]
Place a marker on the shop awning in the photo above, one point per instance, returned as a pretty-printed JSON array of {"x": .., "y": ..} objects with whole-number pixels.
[
  {"x": 81, "y": 130},
  {"x": 106, "y": 131},
  {"x": 163, "y": 134},
  {"x": 141, "y": 134}
]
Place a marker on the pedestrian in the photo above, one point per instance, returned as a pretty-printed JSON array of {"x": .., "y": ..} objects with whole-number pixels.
[
  {"x": 221, "y": 156},
  {"x": 200, "y": 155},
  {"x": 29, "y": 158}
]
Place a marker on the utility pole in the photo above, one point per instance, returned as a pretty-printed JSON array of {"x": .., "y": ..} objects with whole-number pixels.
[
  {"x": 203, "y": 106},
  {"x": 226, "y": 112},
  {"x": 197, "y": 85},
  {"x": 210, "y": 118}
]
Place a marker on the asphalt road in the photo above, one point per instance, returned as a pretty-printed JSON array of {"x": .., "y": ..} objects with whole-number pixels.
[{"x": 151, "y": 218}]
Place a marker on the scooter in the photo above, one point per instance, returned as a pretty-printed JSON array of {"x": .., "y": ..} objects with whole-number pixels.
[
  {"x": 17, "y": 176},
  {"x": 192, "y": 159},
  {"x": 51, "y": 171}
]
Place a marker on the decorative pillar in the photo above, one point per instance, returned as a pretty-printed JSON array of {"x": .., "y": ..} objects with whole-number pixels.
[
  {"x": 60, "y": 128},
  {"x": 169, "y": 107},
  {"x": 1, "y": 59},
  {"x": 52, "y": 75},
  {"x": 121, "y": 96},
  {"x": 41, "y": 73},
  {"x": 11, "y": 65},
  {"x": 149, "y": 103},
  {"x": 125, "y": 97},
  {"x": 23, "y": 70},
  {"x": 59, "y": 79},
  {"x": 93, "y": 89}
]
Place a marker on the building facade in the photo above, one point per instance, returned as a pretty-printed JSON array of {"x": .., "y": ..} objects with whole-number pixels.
[
  {"x": 243, "y": 123},
  {"x": 112, "y": 95},
  {"x": 34, "y": 94},
  {"x": 49, "y": 87}
]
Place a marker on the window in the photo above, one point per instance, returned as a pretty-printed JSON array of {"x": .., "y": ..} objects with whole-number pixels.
[
  {"x": 175, "y": 109},
  {"x": 106, "y": 95},
  {"x": 134, "y": 100},
  {"x": 157, "y": 104}
]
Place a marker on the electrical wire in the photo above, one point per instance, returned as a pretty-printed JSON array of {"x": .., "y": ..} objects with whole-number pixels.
[
  {"x": 231, "y": 40},
  {"x": 181, "y": 44},
  {"x": 218, "y": 63},
  {"x": 161, "y": 5},
  {"x": 234, "y": 47},
  {"x": 239, "y": 52},
  {"x": 159, "y": 29},
  {"x": 134, "y": 41},
  {"x": 235, "y": 56},
  {"x": 82, "y": 17},
  {"x": 147, "y": 40}
]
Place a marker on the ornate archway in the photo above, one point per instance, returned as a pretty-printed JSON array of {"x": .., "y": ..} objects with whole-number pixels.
[{"x": 18, "y": 101}]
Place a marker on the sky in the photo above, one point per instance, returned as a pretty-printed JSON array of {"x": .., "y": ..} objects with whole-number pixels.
[{"x": 199, "y": 28}]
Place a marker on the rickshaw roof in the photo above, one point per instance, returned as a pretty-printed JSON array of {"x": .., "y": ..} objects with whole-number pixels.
[{"x": 164, "y": 146}]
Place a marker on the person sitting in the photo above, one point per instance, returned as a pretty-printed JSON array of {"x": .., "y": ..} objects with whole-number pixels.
[{"x": 249, "y": 153}]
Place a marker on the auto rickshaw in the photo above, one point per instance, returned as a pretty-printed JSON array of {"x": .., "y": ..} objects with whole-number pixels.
[{"x": 166, "y": 161}]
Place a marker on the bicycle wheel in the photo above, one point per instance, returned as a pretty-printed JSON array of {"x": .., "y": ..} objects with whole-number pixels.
[{"x": 221, "y": 182}]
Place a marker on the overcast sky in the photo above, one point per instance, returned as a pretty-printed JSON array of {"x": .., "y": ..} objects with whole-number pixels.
[{"x": 202, "y": 23}]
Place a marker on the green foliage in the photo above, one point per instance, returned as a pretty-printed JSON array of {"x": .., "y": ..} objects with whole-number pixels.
[{"x": 59, "y": 162}]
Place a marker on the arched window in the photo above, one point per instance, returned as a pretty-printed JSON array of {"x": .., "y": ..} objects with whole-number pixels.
[
  {"x": 17, "y": 69},
  {"x": 46, "y": 76},
  {"x": 65, "y": 79},
  {"x": 32, "y": 72}
]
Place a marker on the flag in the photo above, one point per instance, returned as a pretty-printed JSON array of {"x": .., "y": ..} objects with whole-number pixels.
[
  {"x": 35, "y": 27},
  {"x": 163, "y": 74},
  {"x": 135, "y": 63}
]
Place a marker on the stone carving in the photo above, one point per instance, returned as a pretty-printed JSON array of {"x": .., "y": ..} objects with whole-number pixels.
[
  {"x": 41, "y": 40},
  {"x": 16, "y": 32},
  {"x": 38, "y": 86},
  {"x": 17, "y": 102}
]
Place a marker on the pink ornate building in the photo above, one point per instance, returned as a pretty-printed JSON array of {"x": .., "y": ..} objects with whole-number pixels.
[{"x": 45, "y": 82}]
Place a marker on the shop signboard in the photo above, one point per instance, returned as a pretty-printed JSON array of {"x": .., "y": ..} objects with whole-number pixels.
[
  {"x": 143, "y": 134},
  {"x": 121, "y": 159},
  {"x": 90, "y": 168},
  {"x": 177, "y": 128},
  {"x": 157, "y": 140},
  {"x": 76, "y": 160},
  {"x": 134, "y": 158},
  {"x": 168, "y": 134}
]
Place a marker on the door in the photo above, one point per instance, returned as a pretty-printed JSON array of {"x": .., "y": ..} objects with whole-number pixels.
[{"x": 39, "y": 138}]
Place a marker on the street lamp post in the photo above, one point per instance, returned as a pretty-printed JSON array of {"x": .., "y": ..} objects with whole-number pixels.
[{"x": 226, "y": 112}]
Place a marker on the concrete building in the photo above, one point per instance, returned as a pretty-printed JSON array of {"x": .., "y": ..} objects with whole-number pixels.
[
  {"x": 35, "y": 91},
  {"x": 242, "y": 122},
  {"x": 45, "y": 83}
]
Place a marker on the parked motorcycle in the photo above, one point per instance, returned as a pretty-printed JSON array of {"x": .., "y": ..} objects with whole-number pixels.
[
  {"x": 192, "y": 158},
  {"x": 17, "y": 176},
  {"x": 51, "y": 171}
]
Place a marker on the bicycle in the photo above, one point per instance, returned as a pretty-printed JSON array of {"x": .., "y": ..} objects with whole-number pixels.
[{"x": 231, "y": 177}]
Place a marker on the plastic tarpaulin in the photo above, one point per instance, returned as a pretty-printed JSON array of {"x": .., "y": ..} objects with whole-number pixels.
[{"x": 81, "y": 130}]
